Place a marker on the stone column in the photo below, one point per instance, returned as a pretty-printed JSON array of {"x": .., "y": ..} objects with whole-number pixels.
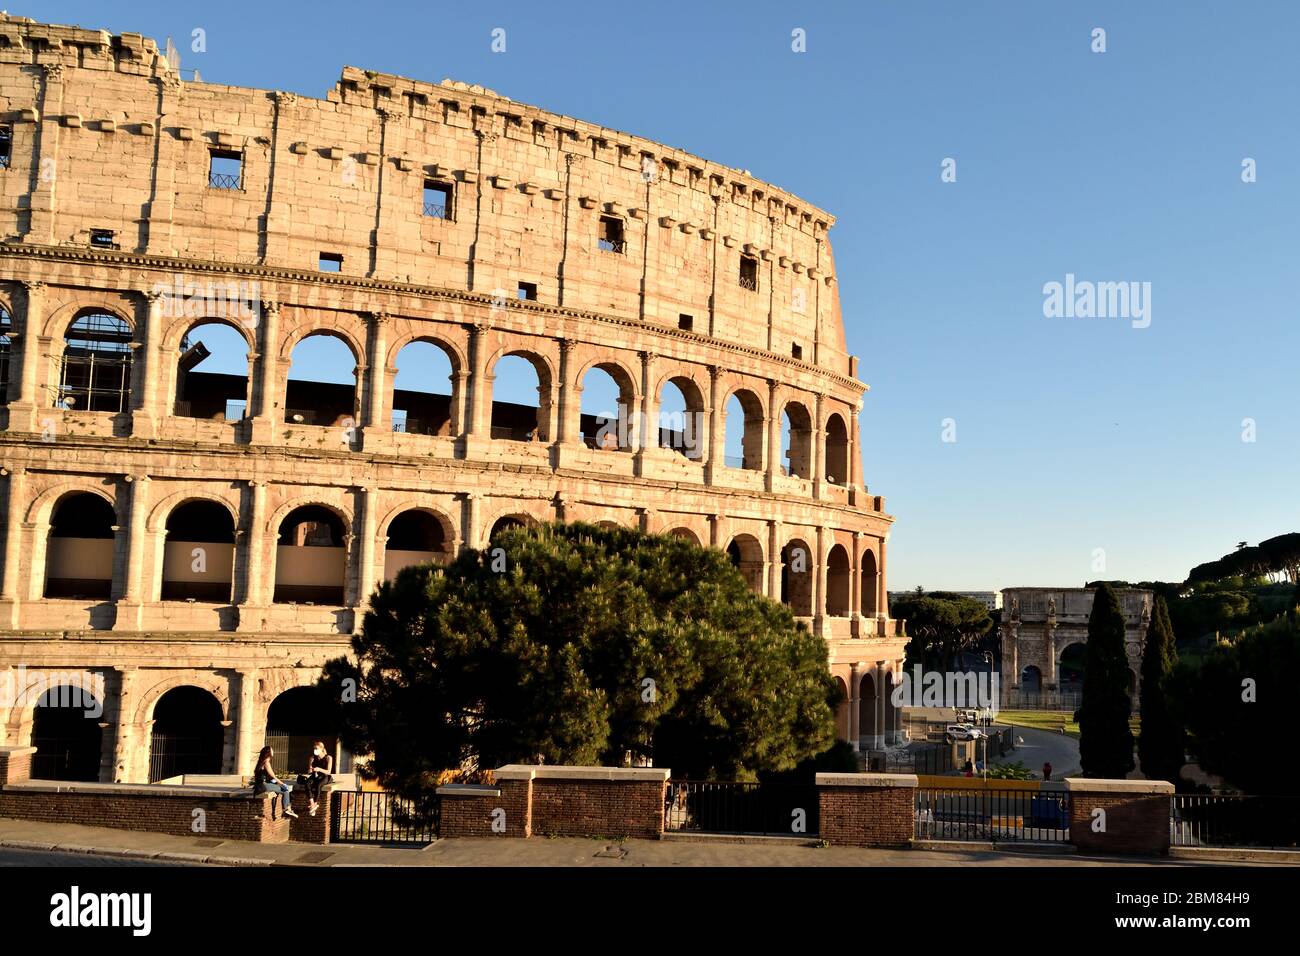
[
  {"x": 818, "y": 443},
  {"x": 43, "y": 203},
  {"x": 129, "y": 746},
  {"x": 819, "y": 582},
  {"x": 648, "y": 428},
  {"x": 460, "y": 403},
  {"x": 257, "y": 587},
  {"x": 147, "y": 413},
  {"x": 772, "y": 429},
  {"x": 479, "y": 430},
  {"x": 855, "y": 455},
  {"x": 376, "y": 427},
  {"x": 473, "y": 517},
  {"x": 366, "y": 560},
  {"x": 248, "y": 739},
  {"x": 22, "y": 390},
  {"x": 566, "y": 426},
  {"x": 855, "y": 705},
  {"x": 774, "y": 560},
  {"x": 130, "y": 606},
  {"x": 266, "y": 394},
  {"x": 714, "y": 457},
  {"x": 15, "y": 503},
  {"x": 882, "y": 592},
  {"x": 880, "y": 738}
]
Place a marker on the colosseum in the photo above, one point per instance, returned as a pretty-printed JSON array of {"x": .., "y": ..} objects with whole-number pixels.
[{"x": 192, "y": 543}]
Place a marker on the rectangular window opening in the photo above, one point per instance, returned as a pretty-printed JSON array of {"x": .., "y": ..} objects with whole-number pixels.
[
  {"x": 102, "y": 239},
  {"x": 611, "y": 235},
  {"x": 330, "y": 262},
  {"x": 686, "y": 322},
  {"x": 749, "y": 273},
  {"x": 796, "y": 350},
  {"x": 226, "y": 169},
  {"x": 6, "y": 145},
  {"x": 437, "y": 199},
  {"x": 528, "y": 291}
]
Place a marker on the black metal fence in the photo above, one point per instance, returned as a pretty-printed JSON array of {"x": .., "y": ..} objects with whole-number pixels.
[
  {"x": 769, "y": 809},
  {"x": 1000, "y": 816},
  {"x": 379, "y": 817},
  {"x": 1235, "y": 820},
  {"x": 916, "y": 759}
]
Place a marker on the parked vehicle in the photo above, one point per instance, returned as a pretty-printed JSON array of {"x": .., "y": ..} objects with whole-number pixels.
[{"x": 963, "y": 732}]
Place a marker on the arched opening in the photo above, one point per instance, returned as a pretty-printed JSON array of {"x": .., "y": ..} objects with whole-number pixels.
[
  {"x": 1069, "y": 675},
  {"x": 796, "y": 441},
  {"x": 295, "y": 720},
  {"x": 867, "y": 707},
  {"x": 520, "y": 399},
  {"x": 838, "y": 582},
  {"x": 746, "y": 554},
  {"x": 797, "y": 569},
  {"x": 507, "y": 522},
  {"x": 685, "y": 534},
  {"x": 424, "y": 390},
  {"x": 1031, "y": 680},
  {"x": 322, "y": 384},
  {"x": 311, "y": 557},
  {"x": 843, "y": 712},
  {"x": 869, "y": 583},
  {"x": 95, "y": 369},
  {"x": 67, "y": 735},
  {"x": 79, "y": 551},
  {"x": 416, "y": 537},
  {"x": 220, "y": 390},
  {"x": 6, "y": 330},
  {"x": 837, "y": 451},
  {"x": 606, "y": 413},
  {"x": 681, "y": 417},
  {"x": 199, "y": 553},
  {"x": 187, "y": 734},
  {"x": 744, "y": 431}
]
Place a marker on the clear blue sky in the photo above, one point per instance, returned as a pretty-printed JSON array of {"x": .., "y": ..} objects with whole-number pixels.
[{"x": 1072, "y": 434}]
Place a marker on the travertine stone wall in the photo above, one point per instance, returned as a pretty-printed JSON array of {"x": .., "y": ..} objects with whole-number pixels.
[{"x": 106, "y": 137}]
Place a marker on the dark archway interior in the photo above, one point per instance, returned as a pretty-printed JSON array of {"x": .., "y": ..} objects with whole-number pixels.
[
  {"x": 79, "y": 553},
  {"x": 295, "y": 721},
  {"x": 68, "y": 739},
  {"x": 187, "y": 734}
]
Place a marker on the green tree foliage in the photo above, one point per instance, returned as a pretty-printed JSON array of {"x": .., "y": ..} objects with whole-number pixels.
[
  {"x": 1278, "y": 555},
  {"x": 1237, "y": 705},
  {"x": 942, "y": 625},
  {"x": 543, "y": 646},
  {"x": 1160, "y": 740},
  {"x": 1105, "y": 740}
]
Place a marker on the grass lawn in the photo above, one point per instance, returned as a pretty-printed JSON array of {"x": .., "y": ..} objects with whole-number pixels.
[{"x": 1050, "y": 720}]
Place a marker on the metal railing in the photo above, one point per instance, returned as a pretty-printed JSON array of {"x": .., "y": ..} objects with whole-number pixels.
[
  {"x": 749, "y": 283},
  {"x": 710, "y": 806},
  {"x": 436, "y": 210},
  {"x": 612, "y": 245},
  {"x": 928, "y": 760},
  {"x": 380, "y": 817},
  {"x": 1000, "y": 816},
  {"x": 1230, "y": 820},
  {"x": 223, "y": 181}
]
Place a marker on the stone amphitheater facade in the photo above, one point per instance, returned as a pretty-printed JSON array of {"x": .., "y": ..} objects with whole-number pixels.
[{"x": 572, "y": 245}]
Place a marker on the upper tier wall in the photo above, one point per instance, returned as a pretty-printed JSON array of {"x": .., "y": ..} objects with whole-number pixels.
[{"x": 105, "y": 136}]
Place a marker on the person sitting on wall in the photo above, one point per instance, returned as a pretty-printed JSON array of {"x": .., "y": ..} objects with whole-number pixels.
[
  {"x": 265, "y": 781},
  {"x": 320, "y": 771}
]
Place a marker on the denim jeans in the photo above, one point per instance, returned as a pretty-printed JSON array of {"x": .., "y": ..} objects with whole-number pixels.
[{"x": 283, "y": 789}]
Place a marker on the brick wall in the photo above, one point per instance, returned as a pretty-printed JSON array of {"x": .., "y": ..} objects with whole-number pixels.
[
  {"x": 15, "y": 764},
  {"x": 866, "y": 809},
  {"x": 470, "y": 811},
  {"x": 224, "y": 816},
  {"x": 606, "y": 808},
  {"x": 1133, "y": 818},
  {"x": 309, "y": 829}
]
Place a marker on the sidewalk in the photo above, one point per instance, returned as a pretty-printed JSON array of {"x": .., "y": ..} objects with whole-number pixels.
[{"x": 539, "y": 851}]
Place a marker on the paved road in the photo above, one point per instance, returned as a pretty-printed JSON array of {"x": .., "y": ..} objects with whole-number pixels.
[
  {"x": 14, "y": 857},
  {"x": 1040, "y": 746}
]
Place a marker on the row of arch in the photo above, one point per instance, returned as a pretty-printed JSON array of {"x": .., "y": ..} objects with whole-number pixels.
[
  {"x": 208, "y": 377},
  {"x": 198, "y": 539},
  {"x": 185, "y": 733}
]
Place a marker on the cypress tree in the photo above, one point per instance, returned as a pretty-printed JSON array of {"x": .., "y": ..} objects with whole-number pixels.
[
  {"x": 1160, "y": 739},
  {"x": 1105, "y": 740}
]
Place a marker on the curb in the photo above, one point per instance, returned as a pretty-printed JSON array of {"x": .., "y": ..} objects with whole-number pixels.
[{"x": 170, "y": 855}]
